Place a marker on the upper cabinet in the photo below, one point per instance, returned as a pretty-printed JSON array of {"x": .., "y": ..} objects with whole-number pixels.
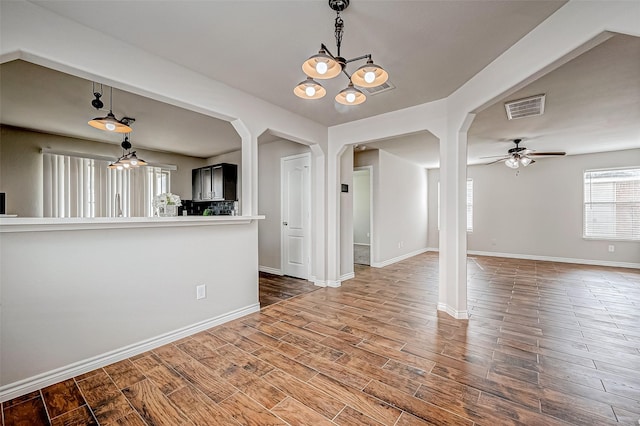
[{"x": 215, "y": 183}]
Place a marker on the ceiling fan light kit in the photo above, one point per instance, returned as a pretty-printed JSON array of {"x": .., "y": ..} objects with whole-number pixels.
[
  {"x": 324, "y": 65},
  {"x": 521, "y": 156}
]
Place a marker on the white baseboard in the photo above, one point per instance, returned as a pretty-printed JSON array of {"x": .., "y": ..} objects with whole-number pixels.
[
  {"x": 462, "y": 315},
  {"x": 270, "y": 270},
  {"x": 556, "y": 259},
  {"x": 398, "y": 259},
  {"x": 334, "y": 283},
  {"x": 550, "y": 258},
  {"x": 315, "y": 281},
  {"x": 22, "y": 387},
  {"x": 347, "y": 276}
]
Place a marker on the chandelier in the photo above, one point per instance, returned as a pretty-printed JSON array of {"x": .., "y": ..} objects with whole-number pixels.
[
  {"x": 325, "y": 65},
  {"x": 128, "y": 159}
]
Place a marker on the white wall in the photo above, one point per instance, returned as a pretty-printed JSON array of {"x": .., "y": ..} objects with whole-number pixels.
[
  {"x": 21, "y": 170},
  {"x": 361, "y": 207},
  {"x": 537, "y": 212},
  {"x": 399, "y": 206},
  {"x": 269, "y": 200},
  {"x": 68, "y": 296},
  {"x": 346, "y": 214}
]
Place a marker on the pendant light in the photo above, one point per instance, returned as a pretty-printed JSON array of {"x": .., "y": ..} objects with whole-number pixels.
[
  {"x": 309, "y": 89},
  {"x": 369, "y": 75},
  {"x": 129, "y": 159},
  {"x": 350, "y": 96},
  {"x": 321, "y": 66},
  {"x": 110, "y": 123},
  {"x": 325, "y": 65}
]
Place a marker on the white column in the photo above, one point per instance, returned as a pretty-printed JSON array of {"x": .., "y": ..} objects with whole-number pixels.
[
  {"x": 249, "y": 198},
  {"x": 452, "y": 295}
]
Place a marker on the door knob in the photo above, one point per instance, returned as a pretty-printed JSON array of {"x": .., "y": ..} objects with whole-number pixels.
[{"x": 285, "y": 223}]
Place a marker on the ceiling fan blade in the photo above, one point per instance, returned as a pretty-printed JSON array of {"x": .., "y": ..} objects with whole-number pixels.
[
  {"x": 496, "y": 161},
  {"x": 547, "y": 154},
  {"x": 504, "y": 157}
]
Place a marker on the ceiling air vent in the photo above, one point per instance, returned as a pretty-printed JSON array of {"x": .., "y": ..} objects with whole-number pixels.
[
  {"x": 526, "y": 107},
  {"x": 384, "y": 87}
]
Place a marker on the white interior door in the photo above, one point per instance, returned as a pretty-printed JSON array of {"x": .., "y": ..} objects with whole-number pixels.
[{"x": 296, "y": 188}]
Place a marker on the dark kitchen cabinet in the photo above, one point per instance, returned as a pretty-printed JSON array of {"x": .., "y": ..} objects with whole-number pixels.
[{"x": 215, "y": 183}]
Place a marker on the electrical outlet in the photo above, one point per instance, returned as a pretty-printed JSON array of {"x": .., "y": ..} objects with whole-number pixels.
[
  {"x": 612, "y": 248},
  {"x": 201, "y": 291}
]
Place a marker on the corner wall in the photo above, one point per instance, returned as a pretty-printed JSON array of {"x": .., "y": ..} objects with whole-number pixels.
[
  {"x": 538, "y": 212},
  {"x": 400, "y": 221}
]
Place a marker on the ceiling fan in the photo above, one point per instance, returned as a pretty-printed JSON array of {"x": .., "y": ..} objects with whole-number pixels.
[{"x": 520, "y": 155}]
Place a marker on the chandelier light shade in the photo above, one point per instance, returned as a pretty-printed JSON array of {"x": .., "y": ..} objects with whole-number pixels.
[
  {"x": 325, "y": 65},
  {"x": 369, "y": 75},
  {"x": 309, "y": 89},
  {"x": 109, "y": 122},
  {"x": 350, "y": 96},
  {"x": 129, "y": 159},
  {"x": 321, "y": 66}
]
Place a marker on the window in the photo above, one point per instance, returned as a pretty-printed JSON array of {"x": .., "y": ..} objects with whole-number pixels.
[
  {"x": 612, "y": 204},
  {"x": 75, "y": 186},
  {"x": 469, "y": 205}
]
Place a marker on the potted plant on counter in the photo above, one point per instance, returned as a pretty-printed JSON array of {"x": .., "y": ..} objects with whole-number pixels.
[{"x": 166, "y": 204}]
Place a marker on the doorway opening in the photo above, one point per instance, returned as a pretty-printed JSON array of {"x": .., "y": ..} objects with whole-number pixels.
[{"x": 362, "y": 214}]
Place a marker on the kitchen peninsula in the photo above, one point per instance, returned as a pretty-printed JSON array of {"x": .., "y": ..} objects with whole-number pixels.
[{"x": 72, "y": 289}]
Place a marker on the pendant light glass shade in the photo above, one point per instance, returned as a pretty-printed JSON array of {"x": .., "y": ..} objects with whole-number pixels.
[
  {"x": 309, "y": 89},
  {"x": 369, "y": 75},
  {"x": 110, "y": 124},
  {"x": 525, "y": 161},
  {"x": 512, "y": 162},
  {"x": 350, "y": 96},
  {"x": 321, "y": 66}
]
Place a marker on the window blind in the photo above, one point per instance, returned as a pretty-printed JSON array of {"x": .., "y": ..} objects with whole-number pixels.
[
  {"x": 612, "y": 204},
  {"x": 84, "y": 187}
]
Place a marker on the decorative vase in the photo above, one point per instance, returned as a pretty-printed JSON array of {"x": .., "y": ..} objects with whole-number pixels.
[{"x": 168, "y": 210}]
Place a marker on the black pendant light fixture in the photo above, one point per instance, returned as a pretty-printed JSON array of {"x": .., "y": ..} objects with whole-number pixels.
[
  {"x": 109, "y": 123},
  {"x": 129, "y": 159},
  {"x": 325, "y": 65}
]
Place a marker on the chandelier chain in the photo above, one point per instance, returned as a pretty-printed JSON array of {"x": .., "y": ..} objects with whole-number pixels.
[{"x": 339, "y": 30}]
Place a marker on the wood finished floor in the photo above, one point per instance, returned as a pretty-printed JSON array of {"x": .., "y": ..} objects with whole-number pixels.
[{"x": 546, "y": 344}]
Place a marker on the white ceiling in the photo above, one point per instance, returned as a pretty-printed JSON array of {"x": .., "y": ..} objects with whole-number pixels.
[
  {"x": 593, "y": 102},
  {"x": 429, "y": 48}
]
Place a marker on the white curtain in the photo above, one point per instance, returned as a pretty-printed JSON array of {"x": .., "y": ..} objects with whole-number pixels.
[{"x": 84, "y": 187}]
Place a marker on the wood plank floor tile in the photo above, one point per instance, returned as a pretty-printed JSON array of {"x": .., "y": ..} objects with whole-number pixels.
[
  {"x": 414, "y": 406},
  {"x": 167, "y": 379},
  {"x": 153, "y": 405},
  {"x": 104, "y": 398},
  {"x": 199, "y": 408},
  {"x": 355, "y": 398},
  {"x": 27, "y": 413},
  {"x": 124, "y": 373},
  {"x": 62, "y": 397},
  {"x": 206, "y": 380},
  {"x": 81, "y": 416},
  {"x": 247, "y": 412},
  {"x": 351, "y": 417},
  {"x": 310, "y": 396},
  {"x": 298, "y": 414}
]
